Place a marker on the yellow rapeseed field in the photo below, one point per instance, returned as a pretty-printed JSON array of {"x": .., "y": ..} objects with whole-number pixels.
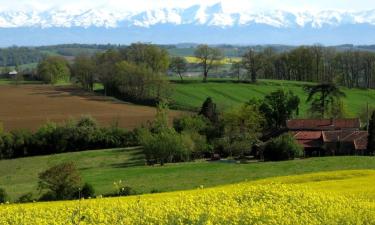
[{"x": 288, "y": 200}]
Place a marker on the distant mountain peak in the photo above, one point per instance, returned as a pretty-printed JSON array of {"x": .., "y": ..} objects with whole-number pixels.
[{"x": 211, "y": 15}]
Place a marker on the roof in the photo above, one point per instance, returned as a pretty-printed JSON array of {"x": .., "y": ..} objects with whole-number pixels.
[
  {"x": 316, "y": 139},
  {"x": 13, "y": 72},
  {"x": 309, "y": 139},
  {"x": 323, "y": 124},
  {"x": 343, "y": 135},
  {"x": 307, "y": 135}
]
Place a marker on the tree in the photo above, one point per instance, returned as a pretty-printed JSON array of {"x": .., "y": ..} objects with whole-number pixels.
[
  {"x": 278, "y": 107},
  {"x": 236, "y": 70},
  {"x": 62, "y": 181},
  {"x": 178, "y": 65},
  {"x": 54, "y": 69},
  {"x": 162, "y": 143},
  {"x": 150, "y": 56},
  {"x": 106, "y": 70},
  {"x": 371, "y": 136},
  {"x": 208, "y": 58},
  {"x": 323, "y": 98},
  {"x": 242, "y": 128},
  {"x": 139, "y": 83},
  {"x": 83, "y": 70},
  {"x": 209, "y": 111},
  {"x": 281, "y": 148},
  {"x": 252, "y": 62}
]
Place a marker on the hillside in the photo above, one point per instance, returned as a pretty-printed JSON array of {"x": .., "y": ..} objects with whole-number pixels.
[
  {"x": 30, "y": 106},
  {"x": 303, "y": 199},
  {"x": 227, "y": 93},
  {"x": 103, "y": 167}
]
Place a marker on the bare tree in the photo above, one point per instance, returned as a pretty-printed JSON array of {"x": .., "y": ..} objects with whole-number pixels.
[
  {"x": 208, "y": 58},
  {"x": 178, "y": 65}
]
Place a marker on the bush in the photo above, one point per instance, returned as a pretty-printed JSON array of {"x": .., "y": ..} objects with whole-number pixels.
[
  {"x": 166, "y": 146},
  {"x": 193, "y": 123},
  {"x": 87, "y": 191},
  {"x": 3, "y": 196},
  {"x": 28, "y": 197},
  {"x": 122, "y": 190},
  {"x": 61, "y": 181},
  {"x": 51, "y": 138},
  {"x": 284, "y": 147}
]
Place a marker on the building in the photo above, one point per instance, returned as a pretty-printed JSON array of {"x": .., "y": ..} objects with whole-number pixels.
[
  {"x": 12, "y": 74},
  {"x": 321, "y": 137}
]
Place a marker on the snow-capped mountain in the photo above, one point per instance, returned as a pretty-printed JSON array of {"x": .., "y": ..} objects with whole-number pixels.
[
  {"x": 195, "y": 15},
  {"x": 197, "y": 23}
]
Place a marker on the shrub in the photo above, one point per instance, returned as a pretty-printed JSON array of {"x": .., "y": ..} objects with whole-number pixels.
[
  {"x": 21, "y": 141},
  {"x": 51, "y": 138},
  {"x": 87, "y": 191},
  {"x": 193, "y": 123},
  {"x": 122, "y": 190},
  {"x": 28, "y": 197},
  {"x": 284, "y": 147},
  {"x": 3, "y": 196},
  {"x": 61, "y": 181},
  {"x": 166, "y": 146}
]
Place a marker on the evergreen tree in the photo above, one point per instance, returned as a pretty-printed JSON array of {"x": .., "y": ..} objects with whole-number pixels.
[{"x": 208, "y": 110}]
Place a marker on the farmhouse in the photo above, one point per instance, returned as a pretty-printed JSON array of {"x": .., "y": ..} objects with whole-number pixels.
[
  {"x": 12, "y": 74},
  {"x": 321, "y": 137}
]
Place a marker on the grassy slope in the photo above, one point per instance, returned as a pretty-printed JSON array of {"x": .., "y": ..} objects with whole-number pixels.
[
  {"x": 102, "y": 168},
  {"x": 191, "y": 94}
]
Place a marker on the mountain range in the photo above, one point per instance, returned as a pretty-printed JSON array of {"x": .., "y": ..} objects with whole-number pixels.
[{"x": 208, "y": 24}]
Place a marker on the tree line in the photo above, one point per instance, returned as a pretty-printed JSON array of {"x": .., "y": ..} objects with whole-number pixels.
[
  {"x": 15, "y": 56},
  {"x": 74, "y": 135},
  {"x": 350, "y": 68},
  {"x": 135, "y": 73}
]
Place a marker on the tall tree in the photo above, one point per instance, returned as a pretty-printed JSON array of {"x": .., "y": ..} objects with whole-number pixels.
[
  {"x": 178, "y": 65},
  {"x": 54, "y": 69},
  {"x": 278, "y": 107},
  {"x": 209, "y": 111},
  {"x": 208, "y": 58},
  {"x": 235, "y": 70},
  {"x": 151, "y": 56},
  {"x": 242, "y": 128},
  {"x": 83, "y": 70},
  {"x": 371, "y": 136},
  {"x": 323, "y": 98},
  {"x": 106, "y": 70},
  {"x": 252, "y": 62}
]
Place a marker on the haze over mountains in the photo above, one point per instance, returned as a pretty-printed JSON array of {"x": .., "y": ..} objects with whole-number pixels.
[{"x": 209, "y": 24}]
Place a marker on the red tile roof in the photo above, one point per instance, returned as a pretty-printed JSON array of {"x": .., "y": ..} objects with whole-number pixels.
[
  {"x": 306, "y": 135},
  {"x": 309, "y": 139},
  {"x": 360, "y": 144},
  {"x": 343, "y": 135},
  {"x": 316, "y": 139},
  {"x": 323, "y": 124}
]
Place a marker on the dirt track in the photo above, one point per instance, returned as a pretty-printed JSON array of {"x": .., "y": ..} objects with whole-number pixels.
[{"x": 29, "y": 106}]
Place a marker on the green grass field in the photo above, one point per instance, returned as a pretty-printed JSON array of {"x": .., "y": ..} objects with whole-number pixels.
[
  {"x": 227, "y": 93},
  {"x": 103, "y": 167}
]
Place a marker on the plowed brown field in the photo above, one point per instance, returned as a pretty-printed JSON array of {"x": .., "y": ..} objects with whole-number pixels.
[{"x": 29, "y": 106}]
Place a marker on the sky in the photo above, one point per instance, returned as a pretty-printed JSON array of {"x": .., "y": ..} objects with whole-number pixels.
[{"x": 132, "y": 6}]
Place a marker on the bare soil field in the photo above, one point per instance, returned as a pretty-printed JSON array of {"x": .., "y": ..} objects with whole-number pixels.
[{"x": 30, "y": 106}]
